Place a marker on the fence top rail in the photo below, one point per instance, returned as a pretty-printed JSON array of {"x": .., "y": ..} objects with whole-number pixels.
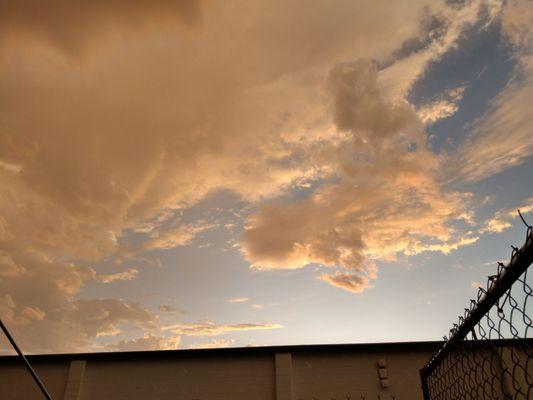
[{"x": 497, "y": 285}]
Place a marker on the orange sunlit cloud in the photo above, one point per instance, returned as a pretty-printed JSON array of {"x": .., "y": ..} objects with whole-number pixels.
[{"x": 118, "y": 121}]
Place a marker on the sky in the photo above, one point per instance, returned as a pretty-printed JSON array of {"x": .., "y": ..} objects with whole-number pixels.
[{"x": 184, "y": 174}]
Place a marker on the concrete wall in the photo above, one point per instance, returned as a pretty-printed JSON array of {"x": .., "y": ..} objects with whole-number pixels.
[
  {"x": 340, "y": 372},
  {"x": 352, "y": 374}
]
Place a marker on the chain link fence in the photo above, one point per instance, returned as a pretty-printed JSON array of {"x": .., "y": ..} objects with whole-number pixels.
[{"x": 489, "y": 351}]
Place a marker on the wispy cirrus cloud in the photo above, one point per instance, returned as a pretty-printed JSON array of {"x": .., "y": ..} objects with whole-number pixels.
[
  {"x": 209, "y": 328},
  {"x": 238, "y": 300},
  {"x": 128, "y": 275},
  {"x": 182, "y": 235},
  {"x": 501, "y": 139}
]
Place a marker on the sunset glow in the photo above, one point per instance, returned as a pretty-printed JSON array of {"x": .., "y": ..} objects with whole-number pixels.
[{"x": 182, "y": 174}]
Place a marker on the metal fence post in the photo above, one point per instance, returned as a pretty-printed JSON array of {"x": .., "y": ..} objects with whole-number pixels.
[{"x": 423, "y": 380}]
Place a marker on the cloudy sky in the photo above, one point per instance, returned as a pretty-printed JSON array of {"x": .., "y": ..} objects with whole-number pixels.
[{"x": 178, "y": 174}]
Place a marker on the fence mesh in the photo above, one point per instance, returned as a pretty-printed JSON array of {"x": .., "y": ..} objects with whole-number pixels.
[{"x": 489, "y": 351}]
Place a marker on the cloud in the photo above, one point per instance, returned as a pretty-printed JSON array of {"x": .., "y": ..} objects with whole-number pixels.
[
  {"x": 72, "y": 26},
  {"x": 516, "y": 25},
  {"x": 13, "y": 168},
  {"x": 441, "y": 32},
  {"x": 8, "y": 267},
  {"x": 145, "y": 343},
  {"x": 36, "y": 224},
  {"x": 123, "y": 149},
  {"x": 386, "y": 198},
  {"x": 128, "y": 275},
  {"x": 445, "y": 106},
  {"x": 503, "y": 219},
  {"x": 214, "y": 344},
  {"x": 501, "y": 139},
  {"x": 475, "y": 285},
  {"x": 135, "y": 119},
  {"x": 354, "y": 283},
  {"x": 180, "y": 236},
  {"x": 446, "y": 248},
  {"x": 167, "y": 309},
  {"x": 238, "y": 299},
  {"x": 39, "y": 306},
  {"x": 209, "y": 328},
  {"x": 496, "y": 225}
]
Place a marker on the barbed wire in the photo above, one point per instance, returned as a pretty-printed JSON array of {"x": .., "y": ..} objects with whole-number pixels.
[{"x": 488, "y": 353}]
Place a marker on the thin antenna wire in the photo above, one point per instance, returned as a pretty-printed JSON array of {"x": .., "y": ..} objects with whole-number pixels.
[{"x": 26, "y": 362}]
